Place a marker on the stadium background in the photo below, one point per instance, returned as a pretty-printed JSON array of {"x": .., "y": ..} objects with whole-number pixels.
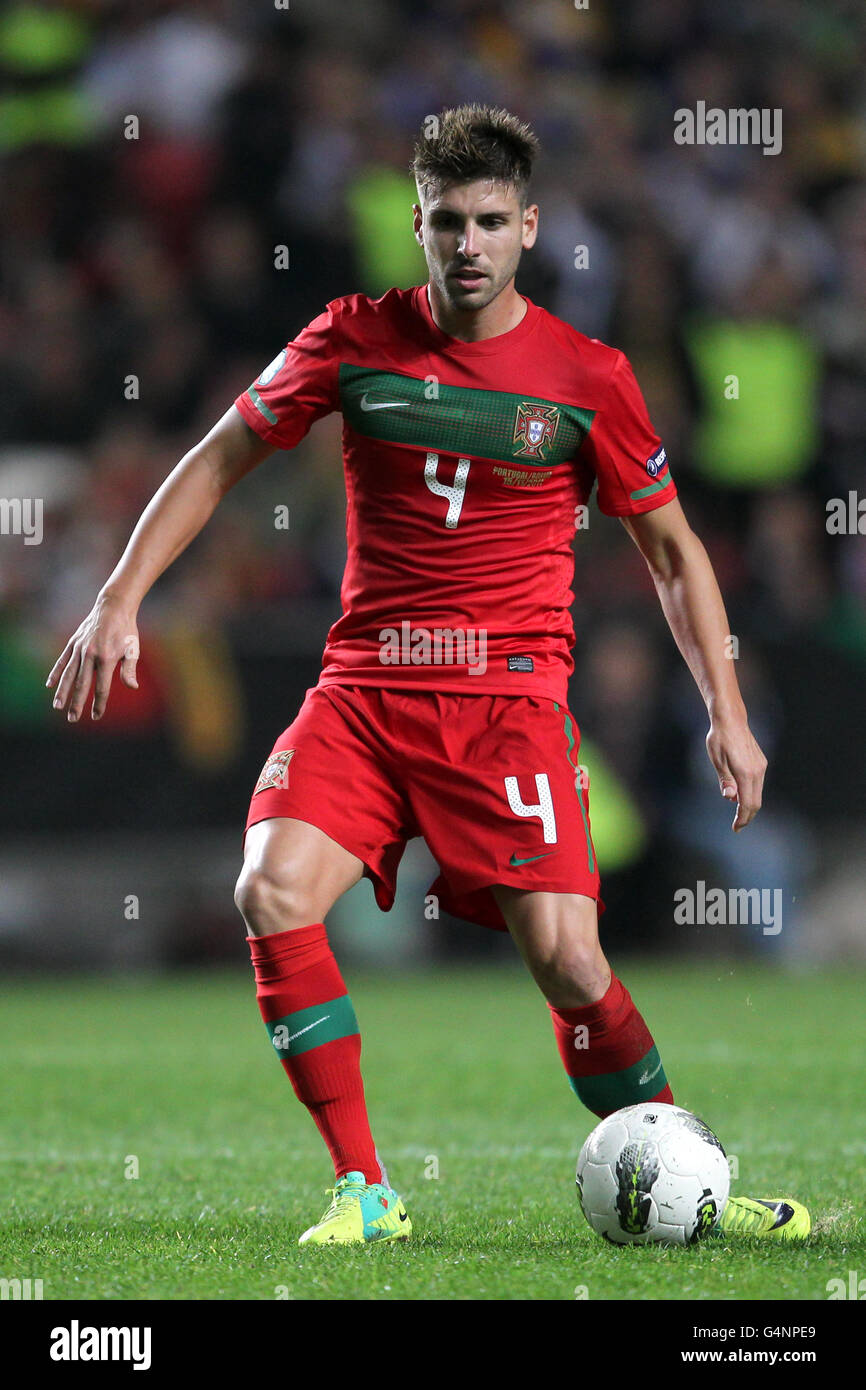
[{"x": 151, "y": 260}]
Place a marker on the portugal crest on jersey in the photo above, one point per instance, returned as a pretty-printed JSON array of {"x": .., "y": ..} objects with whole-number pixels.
[
  {"x": 275, "y": 772},
  {"x": 535, "y": 428}
]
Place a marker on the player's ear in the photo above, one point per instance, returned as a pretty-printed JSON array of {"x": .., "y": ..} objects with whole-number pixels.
[
  {"x": 530, "y": 226},
  {"x": 417, "y": 223}
]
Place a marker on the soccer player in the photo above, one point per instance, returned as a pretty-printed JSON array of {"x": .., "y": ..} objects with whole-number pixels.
[{"x": 475, "y": 426}]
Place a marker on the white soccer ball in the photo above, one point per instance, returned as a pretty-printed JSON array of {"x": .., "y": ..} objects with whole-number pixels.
[{"x": 652, "y": 1174}]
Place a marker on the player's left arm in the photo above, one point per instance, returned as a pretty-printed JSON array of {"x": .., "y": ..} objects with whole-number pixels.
[{"x": 693, "y": 605}]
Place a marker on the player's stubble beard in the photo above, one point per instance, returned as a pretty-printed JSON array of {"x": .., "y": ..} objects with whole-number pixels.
[{"x": 473, "y": 301}]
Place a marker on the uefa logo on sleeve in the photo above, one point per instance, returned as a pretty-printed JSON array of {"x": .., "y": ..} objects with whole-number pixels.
[{"x": 656, "y": 462}]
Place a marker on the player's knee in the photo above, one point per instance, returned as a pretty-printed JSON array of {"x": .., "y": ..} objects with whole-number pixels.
[
  {"x": 270, "y": 904},
  {"x": 573, "y": 974}
]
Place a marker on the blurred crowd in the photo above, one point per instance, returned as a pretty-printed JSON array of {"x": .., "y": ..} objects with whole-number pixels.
[{"x": 155, "y": 159}]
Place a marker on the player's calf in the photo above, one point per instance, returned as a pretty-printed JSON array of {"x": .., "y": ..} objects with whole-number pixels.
[
  {"x": 607, "y": 1050},
  {"x": 609, "y": 1054},
  {"x": 301, "y": 993},
  {"x": 557, "y": 935}
]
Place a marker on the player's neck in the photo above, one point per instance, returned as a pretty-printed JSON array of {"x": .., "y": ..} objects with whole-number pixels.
[{"x": 474, "y": 325}]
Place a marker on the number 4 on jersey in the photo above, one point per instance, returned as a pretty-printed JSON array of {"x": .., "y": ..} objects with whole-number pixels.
[{"x": 455, "y": 493}]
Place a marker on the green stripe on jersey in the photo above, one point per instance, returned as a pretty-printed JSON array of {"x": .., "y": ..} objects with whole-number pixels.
[
  {"x": 261, "y": 407},
  {"x": 658, "y": 486},
  {"x": 308, "y": 1028},
  {"x": 615, "y": 1089},
  {"x": 458, "y": 420}
]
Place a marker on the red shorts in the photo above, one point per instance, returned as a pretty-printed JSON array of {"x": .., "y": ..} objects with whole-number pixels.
[{"x": 492, "y": 782}]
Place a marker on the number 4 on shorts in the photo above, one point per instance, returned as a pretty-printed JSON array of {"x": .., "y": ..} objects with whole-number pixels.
[{"x": 543, "y": 809}]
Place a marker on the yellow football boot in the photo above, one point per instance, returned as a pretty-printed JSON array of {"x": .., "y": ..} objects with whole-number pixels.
[
  {"x": 360, "y": 1212},
  {"x": 779, "y": 1218}
]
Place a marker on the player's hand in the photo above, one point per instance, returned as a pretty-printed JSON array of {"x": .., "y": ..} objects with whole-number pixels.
[
  {"x": 108, "y": 634},
  {"x": 740, "y": 765}
]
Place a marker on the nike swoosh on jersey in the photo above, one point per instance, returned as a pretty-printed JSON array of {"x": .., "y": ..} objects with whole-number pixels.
[
  {"x": 515, "y": 863},
  {"x": 381, "y": 405}
]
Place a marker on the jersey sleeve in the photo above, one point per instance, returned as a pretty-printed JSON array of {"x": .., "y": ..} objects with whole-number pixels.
[
  {"x": 625, "y": 452},
  {"x": 299, "y": 386}
]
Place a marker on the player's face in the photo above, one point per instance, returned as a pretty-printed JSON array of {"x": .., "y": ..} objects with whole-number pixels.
[{"x": 472, "y": 235}]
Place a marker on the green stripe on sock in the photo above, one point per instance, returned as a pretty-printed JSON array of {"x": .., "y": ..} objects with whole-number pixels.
[
  {"x": 615, "y": 1089},
  {"x": 308, "y": 1028}
]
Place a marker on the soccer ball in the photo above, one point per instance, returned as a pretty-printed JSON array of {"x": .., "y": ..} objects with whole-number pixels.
[{"x": 652, "y": 1174}]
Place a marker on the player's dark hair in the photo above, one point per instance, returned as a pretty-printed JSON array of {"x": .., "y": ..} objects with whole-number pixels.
[{"x": 466, "y": 143}]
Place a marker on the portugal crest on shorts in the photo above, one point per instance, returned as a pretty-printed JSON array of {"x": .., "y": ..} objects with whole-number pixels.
[
  {"x": 535, "y": 428},
  {"x": 275, "y": 772}
]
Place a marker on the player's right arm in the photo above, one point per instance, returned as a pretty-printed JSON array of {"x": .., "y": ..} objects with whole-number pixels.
[{"x": 173, "y": 517}]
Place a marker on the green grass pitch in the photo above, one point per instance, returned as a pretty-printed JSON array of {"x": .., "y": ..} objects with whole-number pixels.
[{"x": 174, "y": 1077}]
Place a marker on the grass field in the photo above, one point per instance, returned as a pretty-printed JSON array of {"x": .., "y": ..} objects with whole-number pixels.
[{"x": 460, "y": 1067}]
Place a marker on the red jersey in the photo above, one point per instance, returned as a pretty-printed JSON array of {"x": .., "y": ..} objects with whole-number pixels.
[{"x": 467, "y": 468}]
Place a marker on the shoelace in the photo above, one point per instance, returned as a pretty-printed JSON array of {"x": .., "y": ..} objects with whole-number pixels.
[
  {"x": 744, "y": 1216},
  {"x": 340, "y": 1198}
]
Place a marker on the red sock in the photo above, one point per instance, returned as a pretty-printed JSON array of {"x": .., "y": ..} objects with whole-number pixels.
[
  {"x": 314, "y": 1032},
  {"x": 608, "y": 1052}
]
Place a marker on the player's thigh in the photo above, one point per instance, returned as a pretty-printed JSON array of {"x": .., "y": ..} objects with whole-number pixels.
[
  {"x": 292, "y": 875},
  {"x": 506, "y": 801},
  {"x": 325, "y": 809}
]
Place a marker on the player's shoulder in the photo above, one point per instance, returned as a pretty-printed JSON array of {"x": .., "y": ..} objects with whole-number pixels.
[
  {"x": 597, "y": 360},
  {"x": 356, "y": 313}
]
